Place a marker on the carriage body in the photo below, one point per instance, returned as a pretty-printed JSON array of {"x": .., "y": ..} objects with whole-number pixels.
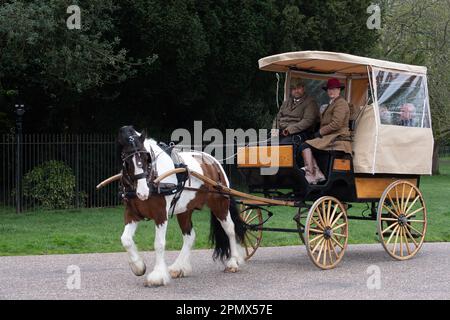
[{"x": 392, "y": 145}]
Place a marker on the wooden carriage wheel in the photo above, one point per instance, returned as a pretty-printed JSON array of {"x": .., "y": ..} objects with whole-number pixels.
[
  {"x": 402, "y": 220},
  {"x": 252, "y": 239},
  {"x": 326, "y": 232}
]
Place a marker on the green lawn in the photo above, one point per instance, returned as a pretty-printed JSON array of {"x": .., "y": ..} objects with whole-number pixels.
[{"x": 99, "y": 230}]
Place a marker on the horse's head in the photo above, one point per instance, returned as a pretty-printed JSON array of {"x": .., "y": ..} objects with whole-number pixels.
[{"x": 136, "y": 160}]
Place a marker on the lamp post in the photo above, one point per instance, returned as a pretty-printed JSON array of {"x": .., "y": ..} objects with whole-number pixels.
[{"x": 20, "y": 110}]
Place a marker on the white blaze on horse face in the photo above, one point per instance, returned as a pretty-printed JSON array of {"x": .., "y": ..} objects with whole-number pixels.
[{"x": 142, "y": 190}]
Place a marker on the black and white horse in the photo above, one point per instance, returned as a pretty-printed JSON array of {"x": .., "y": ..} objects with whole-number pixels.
[{"x": 142, "y": 158}]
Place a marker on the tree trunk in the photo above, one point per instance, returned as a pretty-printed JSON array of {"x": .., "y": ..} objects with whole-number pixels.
[{"x": 435, "y": 167}]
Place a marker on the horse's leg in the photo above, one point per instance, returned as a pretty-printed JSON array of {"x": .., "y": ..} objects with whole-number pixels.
[
  {"x": 136, "y": 263},
  {"x": 160, "y": 274},
  {"x": 224, "y": 211},
  {"x": 232, "y": 265},
  {"x": 182, "y": 265}
]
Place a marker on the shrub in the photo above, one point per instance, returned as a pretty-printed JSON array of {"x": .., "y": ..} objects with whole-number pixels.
[{"x": 51, "y": 184}]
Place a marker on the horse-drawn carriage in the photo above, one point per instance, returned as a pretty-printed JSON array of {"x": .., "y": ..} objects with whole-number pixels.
[
  {"x": 391, "y": 150},
  {"x": 392, "y": 145}
]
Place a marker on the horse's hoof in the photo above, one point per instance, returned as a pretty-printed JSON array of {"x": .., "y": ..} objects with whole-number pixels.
[
  {"x": 176, "y": 274},
  {"x": 231, "y": 270},
  {"x": 156, "y": 278},
  {"x": 138, "y": 268}
]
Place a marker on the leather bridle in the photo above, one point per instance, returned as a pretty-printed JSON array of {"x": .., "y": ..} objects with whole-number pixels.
[{"x": 148, "y": 170}]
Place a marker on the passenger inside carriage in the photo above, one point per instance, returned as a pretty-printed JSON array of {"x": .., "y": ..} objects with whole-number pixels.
[
  {"x": 333, "y": 135},
  {"x": 298, "y": 116}
]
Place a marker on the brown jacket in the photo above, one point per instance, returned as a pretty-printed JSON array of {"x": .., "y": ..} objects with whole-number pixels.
[
  {"x": 297, "y": 117},
  {"x": 334, "y": 128}
]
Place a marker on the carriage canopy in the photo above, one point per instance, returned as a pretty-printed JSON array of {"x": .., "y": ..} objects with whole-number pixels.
[{"x": 389, "y": 103}]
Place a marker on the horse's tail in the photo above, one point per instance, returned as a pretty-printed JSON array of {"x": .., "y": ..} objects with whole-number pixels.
[{"x": 220, "y": 238}]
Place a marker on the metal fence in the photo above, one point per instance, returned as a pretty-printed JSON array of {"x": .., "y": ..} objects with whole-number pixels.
[
  {"x": 444, "y": 151},
  {"x": 92, "y": 158}
]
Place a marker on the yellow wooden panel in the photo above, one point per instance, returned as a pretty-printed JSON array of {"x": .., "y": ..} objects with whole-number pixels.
[
  {"x": 341, "y": 164},
  {"x": 370, "y": 188},
  {"x": 265, "y": 156}
]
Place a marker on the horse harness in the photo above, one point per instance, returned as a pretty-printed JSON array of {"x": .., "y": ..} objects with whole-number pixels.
[{"x": 128, "y": 182}]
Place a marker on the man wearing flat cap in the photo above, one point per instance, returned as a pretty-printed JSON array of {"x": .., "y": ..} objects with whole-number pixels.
[{"x": 298, "y": 115}]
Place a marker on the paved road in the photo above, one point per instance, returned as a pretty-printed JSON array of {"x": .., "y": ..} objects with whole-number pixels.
[{"x": 273, "y": 273}]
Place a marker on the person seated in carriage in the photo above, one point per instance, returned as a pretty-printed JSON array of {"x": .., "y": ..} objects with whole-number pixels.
[
  {"x": 333, "y": 135},
  {"x": 298, "y": 115},
  {"x": 407, "y": 111}
]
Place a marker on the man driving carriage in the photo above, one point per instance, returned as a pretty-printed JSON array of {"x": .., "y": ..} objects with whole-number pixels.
[{"x": 298, "y": 115}]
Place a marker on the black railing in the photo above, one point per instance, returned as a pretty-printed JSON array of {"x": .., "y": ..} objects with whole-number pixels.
[{"x": 92, "y": 158}]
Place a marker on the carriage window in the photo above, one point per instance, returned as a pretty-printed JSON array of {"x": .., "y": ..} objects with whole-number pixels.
[{"x": 402, "y": 99}]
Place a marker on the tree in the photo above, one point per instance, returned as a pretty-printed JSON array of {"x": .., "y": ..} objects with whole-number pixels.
[
  {"x": 45, "y": 61},
  {"x": 207, "y": 66}
]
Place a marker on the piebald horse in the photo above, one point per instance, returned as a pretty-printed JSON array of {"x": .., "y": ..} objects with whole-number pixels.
[{"x": 139, "y": 156}]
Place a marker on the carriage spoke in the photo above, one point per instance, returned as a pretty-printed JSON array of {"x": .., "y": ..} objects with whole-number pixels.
[
  {"x": 317, "y": 223},
  {"x": 337, "y": 242},
  {"x": 252, "y": 234},
  {"x": 316, "y": 238},
  {"x": 337, "y": 219},
  {"x": 318, "y": 244},
  {"x": 339, "y": 235},
  {"x": 325, "y": 253},
  {"x": 392, "y": 234},
  {"x": 389, "y": 219},
  {"x": 418, "y": 221},
  {"x": 406, "y": 242},
  {"x": 251, "y": 243},
  {"x": 407, "y": 199},
  {"x": 246, "y": 251},
  {"x": 247, "y": 215},
  {"x": 396, "y": 238},
  {"x": 393, "y": 205},
  {"x": 320, "y": 251},
  {"x": 336, "y": 206},
  {"x": 403, "y": 198},
  {"x": 321, "y": 218},
  {"x": 412, "y": 204},
  {"x": 391, "y": 226},
  {"x": 388, "y": 209},
  {"x": 324, "y": 213},
  {"x": 252, "y": 218},
  {"x": 411, "y": 237},
  {"x": 417, "y": 231},
  {"x": 401, "y": 242},
  {"x": 329, "y": 251},
  {"x": 315, "y": 230},
  {"x": 396, "y": 200},
  {"x": 334, "y": 250},
  {"x": 328, "y": 212},
  {"x": 415, "y": 211},
  {"x": 339, "y": 226}
]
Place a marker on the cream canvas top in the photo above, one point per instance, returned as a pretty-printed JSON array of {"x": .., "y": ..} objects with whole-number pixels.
[
  {"x": 382, "y": 143},
  {"x": 333, "y": 62}
]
